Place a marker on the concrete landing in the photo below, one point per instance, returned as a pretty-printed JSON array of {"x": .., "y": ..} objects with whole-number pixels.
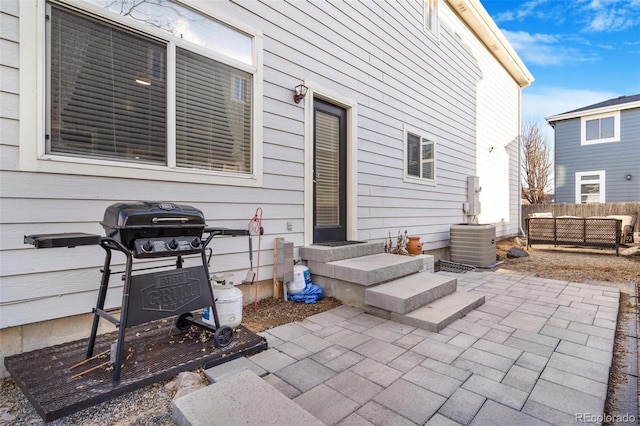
[
  {"x": 368, "y": 270},
  {"x": 324, "y": 254},
  {"x": 409, "y": 293},
  {"x": 438, "y": 314},
  {"x": 243, "y": 399}
]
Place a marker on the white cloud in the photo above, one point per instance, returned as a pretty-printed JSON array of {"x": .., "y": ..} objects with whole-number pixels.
[
  {"x": 611, "y": 15},
  {"x": 525, "y": 10},
  {"x": 545, "y": 49},
  {"x": 594, "y": 15}
]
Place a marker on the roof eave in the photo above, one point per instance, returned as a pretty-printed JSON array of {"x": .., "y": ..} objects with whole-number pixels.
[
  {"x": 476, "y": 17},
  {"x": 594, "y": 111}
]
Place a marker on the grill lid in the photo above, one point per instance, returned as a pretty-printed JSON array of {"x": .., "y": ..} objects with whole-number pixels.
[{"x": 151, "y": 214}]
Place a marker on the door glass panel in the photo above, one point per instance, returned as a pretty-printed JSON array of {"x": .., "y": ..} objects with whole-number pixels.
[{"x": 327, "y": 172}]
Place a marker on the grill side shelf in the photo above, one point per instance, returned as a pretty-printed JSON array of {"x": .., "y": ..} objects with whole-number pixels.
[{"x": 62, "y": 240}]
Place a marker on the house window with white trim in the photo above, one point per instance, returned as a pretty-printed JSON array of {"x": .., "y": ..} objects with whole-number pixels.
[
  {"x": 600, "y": 128},
  {"x": 420, "y": 157},
  {"x": 162, "y": 85},
  {"x": 590, "y": 187},
  {"x": 431, "y": 23}
]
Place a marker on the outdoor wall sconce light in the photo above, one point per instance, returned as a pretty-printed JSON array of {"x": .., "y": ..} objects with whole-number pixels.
[
  {"x": 301, "y": 92},
  {"x": 629, "y": 176}
]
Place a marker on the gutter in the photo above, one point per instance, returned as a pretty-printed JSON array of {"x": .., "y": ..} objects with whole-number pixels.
[{"x": 478, "y": 20}]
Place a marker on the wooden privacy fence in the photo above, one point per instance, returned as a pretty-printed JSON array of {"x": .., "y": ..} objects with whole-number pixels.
[{"x": 583, "y": 210}]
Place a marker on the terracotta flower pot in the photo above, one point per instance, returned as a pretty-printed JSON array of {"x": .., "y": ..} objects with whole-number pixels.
[{"x": 414, "y": 246}]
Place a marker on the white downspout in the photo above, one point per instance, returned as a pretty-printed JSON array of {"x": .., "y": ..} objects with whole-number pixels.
[{"x": 520, "y": 230}]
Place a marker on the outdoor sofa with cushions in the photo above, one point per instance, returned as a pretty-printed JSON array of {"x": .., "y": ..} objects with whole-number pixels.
[
  {"x": 628, "y": 224},
  {"x": 601, "y": 232}
]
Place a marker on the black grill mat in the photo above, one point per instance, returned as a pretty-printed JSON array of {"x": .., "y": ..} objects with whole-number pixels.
[{"x": 153, "y": 351}]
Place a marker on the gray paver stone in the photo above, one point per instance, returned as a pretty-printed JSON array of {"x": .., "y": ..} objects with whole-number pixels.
[
  {"x": 433, "y": 381},
  {"x": 376, "y": 372},
  {"x": 480, "y": 369},
  {"x": 411, "y": 401},
  {"x": 326, "y": 404},
  {"x": 498, "y": 349},
  {"x": 532, "y": 361},
  {"x": 380, "y": 415},
  {"x": 521, "y": 378},
  {"x": 380, "y": 351},
  {"x": 406, "y": 361},
  {"x": 524, "y": 321},
  {"x": 574, "y": 381},
  {"x": 585, "y": 352},
  {"x": 491, "y": 411},
  {"x": 462, "y": 406},
  {"x": 272, "y": 360},
  {"x": 305, "y": 374},
  {"x": 355, "y": 419},
  {"x": 354, "y": 386},
  {"x": 565, "y": 399},
  {"x": 580, "y": 367},
  {"x": 219, "y": 372},
  {"x": 282, "y": 386},
  {"x": 437, "y": 350},
  {"x": 548, "y": 414},
  {"x": 504, "y": 394},
  {"x": 440, "y": 420},
  {"x": 490, "y": 360},
  {"x": 311, "y": 343}
]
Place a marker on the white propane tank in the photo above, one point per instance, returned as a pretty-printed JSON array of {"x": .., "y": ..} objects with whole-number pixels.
[
  {"x": 228, "y": 301},
  {"x": 301, "y": 277}
]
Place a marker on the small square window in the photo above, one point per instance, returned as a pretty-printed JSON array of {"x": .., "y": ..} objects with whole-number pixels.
[{"x": 419, "y": 157}]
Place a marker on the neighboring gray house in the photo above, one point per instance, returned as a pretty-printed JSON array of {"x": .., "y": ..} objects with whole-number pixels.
[
  {"x": 597, "y": 152},
  {"x": 191, "y": 102}
]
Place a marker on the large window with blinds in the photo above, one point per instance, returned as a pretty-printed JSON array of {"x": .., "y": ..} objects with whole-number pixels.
[
  {"x": 158, "y": 97},
  {"x": 420, "y": 157}
]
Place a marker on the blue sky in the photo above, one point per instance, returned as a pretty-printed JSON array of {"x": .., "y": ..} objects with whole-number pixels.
[{"x": 580, "y": 52}]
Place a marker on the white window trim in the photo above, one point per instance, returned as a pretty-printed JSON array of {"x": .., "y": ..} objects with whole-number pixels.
[
  {"x": 33, "y": 157},
  {"x": 423, "y": 135},
  {"x": 601, "y": 181},
  {"x": 430, "y": 19},
  {"x": 616, "y": 128}
]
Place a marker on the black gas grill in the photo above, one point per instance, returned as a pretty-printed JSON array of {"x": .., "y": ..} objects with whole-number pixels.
[
  {"x": 151, "y": 229},
  {"x": 142, "y": 230}
]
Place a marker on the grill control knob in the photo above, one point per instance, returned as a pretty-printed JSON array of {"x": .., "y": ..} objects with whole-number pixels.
[
  {"x": 173, "y": 244},
  {"x": 148, "y": 246},
  {"x": 195, "y": 243}
]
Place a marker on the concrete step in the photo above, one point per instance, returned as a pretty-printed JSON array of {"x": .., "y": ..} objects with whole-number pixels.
[
  {"x": 409, "y": 293},
  {"x": 438, "y": 314},
  {"x": 368, "y": 270},
  {"x": 242, "y": 399},
  {"x": 349, "y": 250}
]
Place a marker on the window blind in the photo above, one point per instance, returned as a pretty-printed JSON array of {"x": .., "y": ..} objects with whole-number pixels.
[
  {"x": 326, "y": 169},
  {"x": 213, "y": 114},
  {"x": 108, "y": 91}
]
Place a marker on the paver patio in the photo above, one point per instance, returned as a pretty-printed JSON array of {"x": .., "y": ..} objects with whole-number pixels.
[{"x": 537, "y": 352}]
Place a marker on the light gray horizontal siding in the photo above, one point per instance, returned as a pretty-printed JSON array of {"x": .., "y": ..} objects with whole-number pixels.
[{"x": 375, "y": 53}]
